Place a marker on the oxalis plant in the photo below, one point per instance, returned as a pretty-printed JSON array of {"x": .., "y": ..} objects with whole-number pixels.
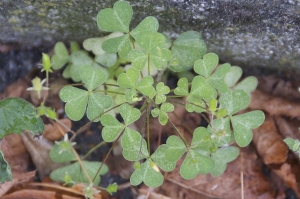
[{"x": 121, "y": 74}]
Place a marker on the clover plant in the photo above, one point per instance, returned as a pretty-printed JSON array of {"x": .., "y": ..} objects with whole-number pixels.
[{"x": 121, "y": 73}]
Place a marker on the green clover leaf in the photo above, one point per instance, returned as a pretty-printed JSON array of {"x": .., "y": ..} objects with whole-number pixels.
[
  {"x": 201, "y": 141},
  {"x": 115, "y": 19},
  {"x": 201, "y": 88},
  {"x": 221, "y": 133},
  {"x": 160, "y": 158},
  {"x": 292, "y": 144},
  {"x": 233, "y": 76},
  {"x": 162, "y": 112},
  {"x": 248, "y": 84},
  {"x": 222, "y": 157},
  {"x": 217, "y": 79},
  {"x": 62, "y": 152},
  {"x": 176, "y": 148},
  {"x": 149, "y": 24},
  {"x": 243, "y": 125},
  {"x": 159, "y": 57},
  {"x": 76, "y": 173},
  {"x": 79, "y": 59},
  {"x": 148, "y": 174},
  {"x": 182, "y": 87},
  {"x": 186, "y": 49},
  {"x": 112, "y": 127},
  {"x": 77, "y": 99},
  {"x": 138, "y": 59},
  {"x": 195, "y": 104},
  {"x": 150, "y": 40},
  {"x": 234, "y": 101},
  {"x": 131, "y": 143},
  {"x": 195, "y": 163},
  {"x": 129, "y": 79},
  {"x": 17, "y": 115},
  {"x": 161, "y": 91},
  {"x": 60, "y": 57}
]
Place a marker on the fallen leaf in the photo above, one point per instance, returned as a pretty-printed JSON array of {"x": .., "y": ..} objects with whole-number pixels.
[
  {"x": 55, "y": 131},
  {"x": 269, "y": 143},
  {"x": 17, "y": 89}
]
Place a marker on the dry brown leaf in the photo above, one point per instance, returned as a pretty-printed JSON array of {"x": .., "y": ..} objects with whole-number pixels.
[
  {"x": 17, "y": 89},
  {"x": 144, "y": 191},
  {"x": 39, "y": 151},
  {"x": 274, "y": 105},
  {"x": 55, "y": 131},
  {"x": 225, "y": 186},
  {"x": 269, "y": 143},
  {"x": 288, "y": 128}
]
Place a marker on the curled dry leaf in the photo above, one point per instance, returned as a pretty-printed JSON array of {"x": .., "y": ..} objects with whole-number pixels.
[
  {"x": 39, "y": 151},
  {"x": 269, "y": 143},
  {"x": 17, "y": 89},
  {"x": 274, "y": 105},
  {"x": 55, "y": 131},
  {"x": 287, "y": 128}
]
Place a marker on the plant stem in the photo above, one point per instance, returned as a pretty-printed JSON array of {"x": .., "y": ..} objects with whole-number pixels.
[
  {"x": 93, "y": 149},
  {"x": 106, "y": 91}
]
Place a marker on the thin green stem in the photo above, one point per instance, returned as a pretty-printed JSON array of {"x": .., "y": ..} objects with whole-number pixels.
[
  {"x": 106, "y": 91},
  {"x": 179, "y": 133},
  {"x": 148, "y": 125},
  {"x": 93, "y": 149}
]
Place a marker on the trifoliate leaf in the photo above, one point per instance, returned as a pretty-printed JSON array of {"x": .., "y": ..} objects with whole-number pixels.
[
  {"x": 217, "y": 79},
  {"x": 222, "y": 157},
  {"x": 159, "y": 57},
  {"x": 201, "y": 88},
  {"x": 292, "y": 144},
  {"x": 131, "y": 96},
  {"x": 161, "y": 91},
  {"x": 62, "y": 152},
  {"x": 167, "y": 107},
  {"x": 159, "y": 157},
  {"x": 221, "y": 132},
  {"x": 60, "y": 57},
  {"x": 194, "y": 164},
  {"x": 248, "y": 84},
  {"x": 79, "y": 59},
  {"x": 96, "y": 105},
  {"x": 128, "y": 79},
  {"x": 162, "y": 113},
  {"x": 146, "y": 88},
  {"x": 147, "y": 174},
  {"x": 115, "y": 19},
  {"x": 233, "y": 76},
  {"x": 17, "y": 115},
  {"x": 94, "y": 45},
  {"x": 129, "y": 114},
  {"x": 5, "y": 169},
  {"x": 76, "y": 173},
  {"x": 92, "y": 78},
  {"x": 201, "y": 140},
  {"x": 187, "y": 48},
  {"x": 112, "y": 128},
  {"x": 149, "y": 24},
  {"x": 134, "y": 146},
  {"x": 243, "y": 125},
  {"x": 176, "y": 148},
  {"x": 234, "y": 101},
  {"x": 206, "y": 65},
  {"x": 150, "y": 40},
  {"x": 182, "y": 87},
  {"x": 107, "y": 60}
]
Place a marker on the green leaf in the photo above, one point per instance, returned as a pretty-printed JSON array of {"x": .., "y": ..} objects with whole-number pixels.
[
  {"x": 175, "y": 150},
  {"x": 146, "y": 88},
  {"x": 187, "y": 48},
  {"x": 195, "y": 163},
  {"x": 67, "y": 74},
  {"x": 159, "y": 157},
  {"x": 92, "y": 78},
  {"x": 150, "y": 40},
  {"x": 243, "y": 125},
  {"x": 5, "y": 170},
  {"x": 217, "y": 79},
  {"x": 201, "y": 140},
  {"x": 112, "y": 188},
  {"x": 222, "y": 157},
  {"x": 60, "y": 57},
  {"x": 129, "y": 114},
  {"x": 149, "y": 24},
  {"x": 94, "y": 45},
  {"x": 115, "y": 19},
  {"x": 118, "y": 44},
  {"x": 206, "y": 65},
  {"x": 234, "y": 101},
  {"x": 112, "y": 128},
  {"x": 194, "y": 104},
  {"x": 201, "y": 88},
  {"x": 162, "y": 112},
  {"x": 134, "y": 146},
  {"x": 221, "y": 132},
  {"x": 233, "y": 76},
  {"x": 76, "y": 173},
  {"x": 79, "y": 59},
  {"x": 107, "y": 60},
  {"x": 128, "y": 79},
  {"x": 292, "y": 144},
  {"x": 248, "y": 84},
  {"x": 182, "y": 87},
  {"x": 138, "y": 58},
  {"x": 161, "y": 91},
  {"x": 74, "y": 46},
  {"x": 17, "y": 115},
  {"x": 62, "y": 152},
  {"x": 76, "y": 100},
  {"x": 159, "y": 57},
  {"x": 97, "y": 104},
  {"x": 46, "y": 63},
  {"x": 147, "y": 174}
]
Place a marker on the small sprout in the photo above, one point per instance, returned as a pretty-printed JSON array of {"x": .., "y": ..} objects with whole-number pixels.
[
  {"x": 112, "y": 188},
  {"x": 46, "y": 63},
  {"x": 37, "y": 85},
  {"x": 65, "y": 145},
  {"x": 89, "y": 191},
  {"x": 68, "y": 179}
]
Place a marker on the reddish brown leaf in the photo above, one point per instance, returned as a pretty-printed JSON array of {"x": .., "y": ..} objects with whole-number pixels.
[
  {"x": 269, "y": 143},
  {"x": 55, "y": 131}
]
